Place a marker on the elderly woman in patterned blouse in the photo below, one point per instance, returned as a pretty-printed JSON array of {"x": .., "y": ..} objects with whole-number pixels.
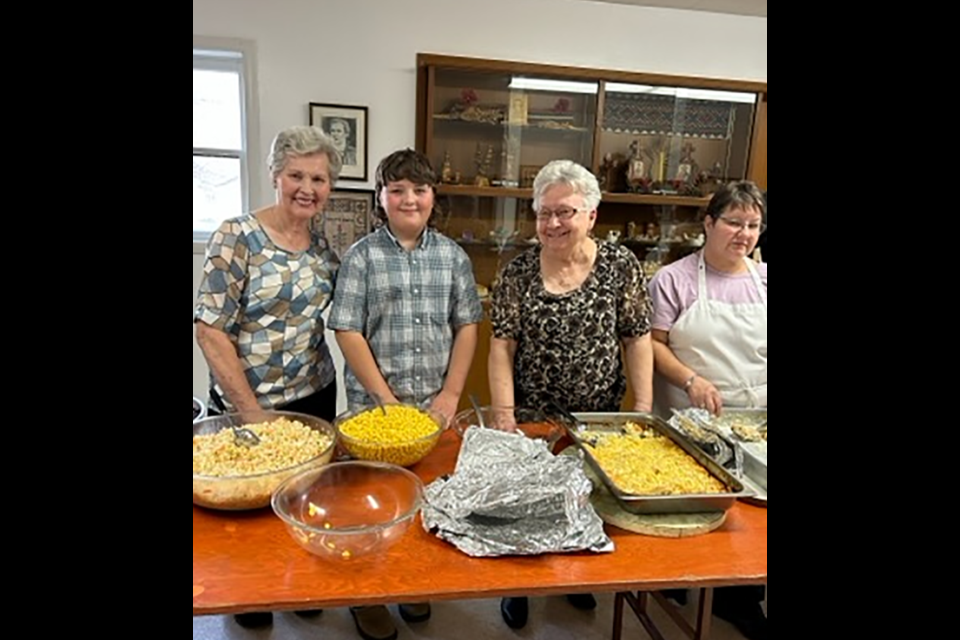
[
  {"x": 267, "y": 277},
  {"x": 562, "y": 310}
]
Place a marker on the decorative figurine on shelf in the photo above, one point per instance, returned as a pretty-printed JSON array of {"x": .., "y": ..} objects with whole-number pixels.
[
  {"x": 631, "y": 230},
  {"x": 446, "y": 171},
  {"x": 652, "y": 232},
  {"x": 483, "y": 162},
  {"x": 509, "y": 176},
  {"x": 637, "y": 179},
  {"x": 612, "y": 170},
  {"x": 687, "y": 168},
  {"x": 613, "y": 236}
]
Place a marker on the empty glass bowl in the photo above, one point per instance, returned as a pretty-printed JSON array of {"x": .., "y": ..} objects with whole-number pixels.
[
  {"x": 531, "y": 422},
  {"x": 348, "y": 511},
  {"x": 233, "y": 478},
  {"x": 404, "y": 436}
]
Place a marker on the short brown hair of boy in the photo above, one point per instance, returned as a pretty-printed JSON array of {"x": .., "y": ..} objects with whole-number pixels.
[{"x": 411, "y": 165}]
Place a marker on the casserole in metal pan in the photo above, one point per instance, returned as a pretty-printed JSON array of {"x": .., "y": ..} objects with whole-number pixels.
[{"x": 636, "y": 503}]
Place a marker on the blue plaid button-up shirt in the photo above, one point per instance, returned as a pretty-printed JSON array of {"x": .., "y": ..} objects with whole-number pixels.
[{"x": 407, "y": 305}]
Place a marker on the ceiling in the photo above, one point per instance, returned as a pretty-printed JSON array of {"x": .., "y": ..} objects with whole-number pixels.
[{"x": 736, "y": 7}]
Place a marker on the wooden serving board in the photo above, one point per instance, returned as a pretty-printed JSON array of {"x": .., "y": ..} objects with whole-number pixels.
[{"x": 664, "y": 525}]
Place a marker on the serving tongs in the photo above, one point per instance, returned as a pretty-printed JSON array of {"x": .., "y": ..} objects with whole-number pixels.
[
  {"x": 570, "y": 421},
  {"x": 711, "y": 440}
]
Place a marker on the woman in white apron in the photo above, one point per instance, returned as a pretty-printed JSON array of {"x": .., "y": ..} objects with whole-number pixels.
[
  {"x": 710, "y": 341},
  {"x": 710, "y": 313}
]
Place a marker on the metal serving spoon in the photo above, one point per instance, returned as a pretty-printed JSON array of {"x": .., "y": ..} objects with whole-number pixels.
[
  {"x": 376, "y": 398},
  {"x": 241, "y": 435},
  {"x": 476, "y": 408},
  {"x": 245, "y": 437}
]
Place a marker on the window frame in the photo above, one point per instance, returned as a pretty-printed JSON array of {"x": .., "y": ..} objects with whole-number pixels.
[{"x": 239, "y": 55}]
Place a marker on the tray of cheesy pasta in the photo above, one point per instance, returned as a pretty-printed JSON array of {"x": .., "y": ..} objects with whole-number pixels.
[{"x": 650, "y": 467}]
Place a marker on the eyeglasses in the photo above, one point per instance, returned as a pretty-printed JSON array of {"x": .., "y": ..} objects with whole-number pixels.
[
  {"x": 740, "y": 225},
  {"x": 563, "y": 213}
]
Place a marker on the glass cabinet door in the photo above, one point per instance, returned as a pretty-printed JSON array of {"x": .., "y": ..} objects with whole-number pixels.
[
  {"x": 496, "y": 129},
  {"x": 676, "y": 140}
]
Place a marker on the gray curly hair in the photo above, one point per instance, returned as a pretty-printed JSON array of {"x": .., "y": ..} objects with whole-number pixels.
[
  {"x": 298, "y": 141},
  {"x": 569, "y": 173}
]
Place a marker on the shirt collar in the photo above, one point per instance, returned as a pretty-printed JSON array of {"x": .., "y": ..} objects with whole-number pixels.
[{"x": 422, "y": 243}]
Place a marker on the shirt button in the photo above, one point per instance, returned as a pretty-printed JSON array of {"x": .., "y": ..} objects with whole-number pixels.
[
  {"x": 417, "y": 349},
  {"x": 416, "y": 291},
  {"x": 416, "y": 320}
]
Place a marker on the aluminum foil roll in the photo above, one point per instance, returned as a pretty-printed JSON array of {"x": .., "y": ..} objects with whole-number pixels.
[{"x": 510, "y": 496}]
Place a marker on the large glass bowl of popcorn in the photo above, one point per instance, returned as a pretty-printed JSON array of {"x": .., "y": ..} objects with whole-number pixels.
[
  {"x": 349, "y": 511},
  {"x": 232, "y": 476},
  {"x": 400, "y": 434}
]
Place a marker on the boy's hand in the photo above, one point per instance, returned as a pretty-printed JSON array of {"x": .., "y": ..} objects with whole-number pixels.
[{"x": 445, "y": 404}]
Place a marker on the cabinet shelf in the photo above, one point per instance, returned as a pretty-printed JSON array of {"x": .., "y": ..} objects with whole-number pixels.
[
  {"x": 526, "y": 193},
  {"x": 652, "y": 198},
  {"x": 483, "y": 192},
  {"x": 560, "y": 128}
]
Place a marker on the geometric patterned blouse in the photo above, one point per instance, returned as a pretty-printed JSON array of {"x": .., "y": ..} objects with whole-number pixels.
[{"x": 268, "y": 301}]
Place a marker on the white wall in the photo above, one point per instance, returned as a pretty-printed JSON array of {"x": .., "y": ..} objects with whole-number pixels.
[{"x": 363, "y": 52}]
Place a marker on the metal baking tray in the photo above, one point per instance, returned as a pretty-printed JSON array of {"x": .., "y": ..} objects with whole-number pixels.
[
  {"x": 755, "y": 463},
  {"x": 754, "y": 456},
  {"x": 682, "y": 503}
]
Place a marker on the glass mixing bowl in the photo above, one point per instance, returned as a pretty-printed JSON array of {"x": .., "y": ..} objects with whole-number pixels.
[{"x": 349, "y": 511}]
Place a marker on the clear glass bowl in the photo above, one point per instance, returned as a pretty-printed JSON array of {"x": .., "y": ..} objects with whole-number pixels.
[
  {"x": 253, "y": 491},
  {"x": 532, "y": 423},
  {"x": 348, "y": 511},
  {"x": 382, "y": 445}
]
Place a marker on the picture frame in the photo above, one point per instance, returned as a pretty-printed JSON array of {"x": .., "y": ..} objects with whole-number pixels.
[
  {"x": 347, "y": 125},
  {"x": 347, "y": 217}
]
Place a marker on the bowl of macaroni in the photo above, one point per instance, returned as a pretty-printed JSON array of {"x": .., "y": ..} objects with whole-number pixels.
[
  {"x": 400, "y": 434},
  {"x": 349, "y": 511},
  {"x": 230, "y": 476}
]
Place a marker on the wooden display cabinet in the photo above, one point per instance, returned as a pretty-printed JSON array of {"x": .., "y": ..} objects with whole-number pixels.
[{"x": 489, "y": 125}]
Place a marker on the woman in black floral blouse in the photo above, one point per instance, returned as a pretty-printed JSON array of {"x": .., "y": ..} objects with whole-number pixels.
[{"x": 561, "y": 312}]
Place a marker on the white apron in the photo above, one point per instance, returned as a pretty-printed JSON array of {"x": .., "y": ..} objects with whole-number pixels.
[{"x": 723, "y": 343}]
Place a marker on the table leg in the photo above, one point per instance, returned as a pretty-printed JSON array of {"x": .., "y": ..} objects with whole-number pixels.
[
  {"x": 639, "y": 603},
  {"x": 617, "y": 616}
]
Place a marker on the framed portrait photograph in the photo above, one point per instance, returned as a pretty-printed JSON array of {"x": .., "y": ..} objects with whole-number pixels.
[
  {"x": 347, "y": 126},
  {"x": 347, "y": 217}
]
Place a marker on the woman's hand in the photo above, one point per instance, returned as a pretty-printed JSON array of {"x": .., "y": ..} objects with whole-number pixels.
[
  {"x": 502, "y": 419},
  {"x": 704, "y": 395}
]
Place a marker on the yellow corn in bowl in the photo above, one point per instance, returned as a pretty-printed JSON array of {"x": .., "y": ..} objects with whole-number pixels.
[{"x": 404, "y": 436}]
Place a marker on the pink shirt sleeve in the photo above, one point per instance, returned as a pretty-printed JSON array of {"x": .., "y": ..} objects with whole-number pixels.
[{"x": 672, "y": 291}]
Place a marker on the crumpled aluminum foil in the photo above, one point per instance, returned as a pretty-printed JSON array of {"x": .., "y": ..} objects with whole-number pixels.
[{"x": 509, "y": 495}]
